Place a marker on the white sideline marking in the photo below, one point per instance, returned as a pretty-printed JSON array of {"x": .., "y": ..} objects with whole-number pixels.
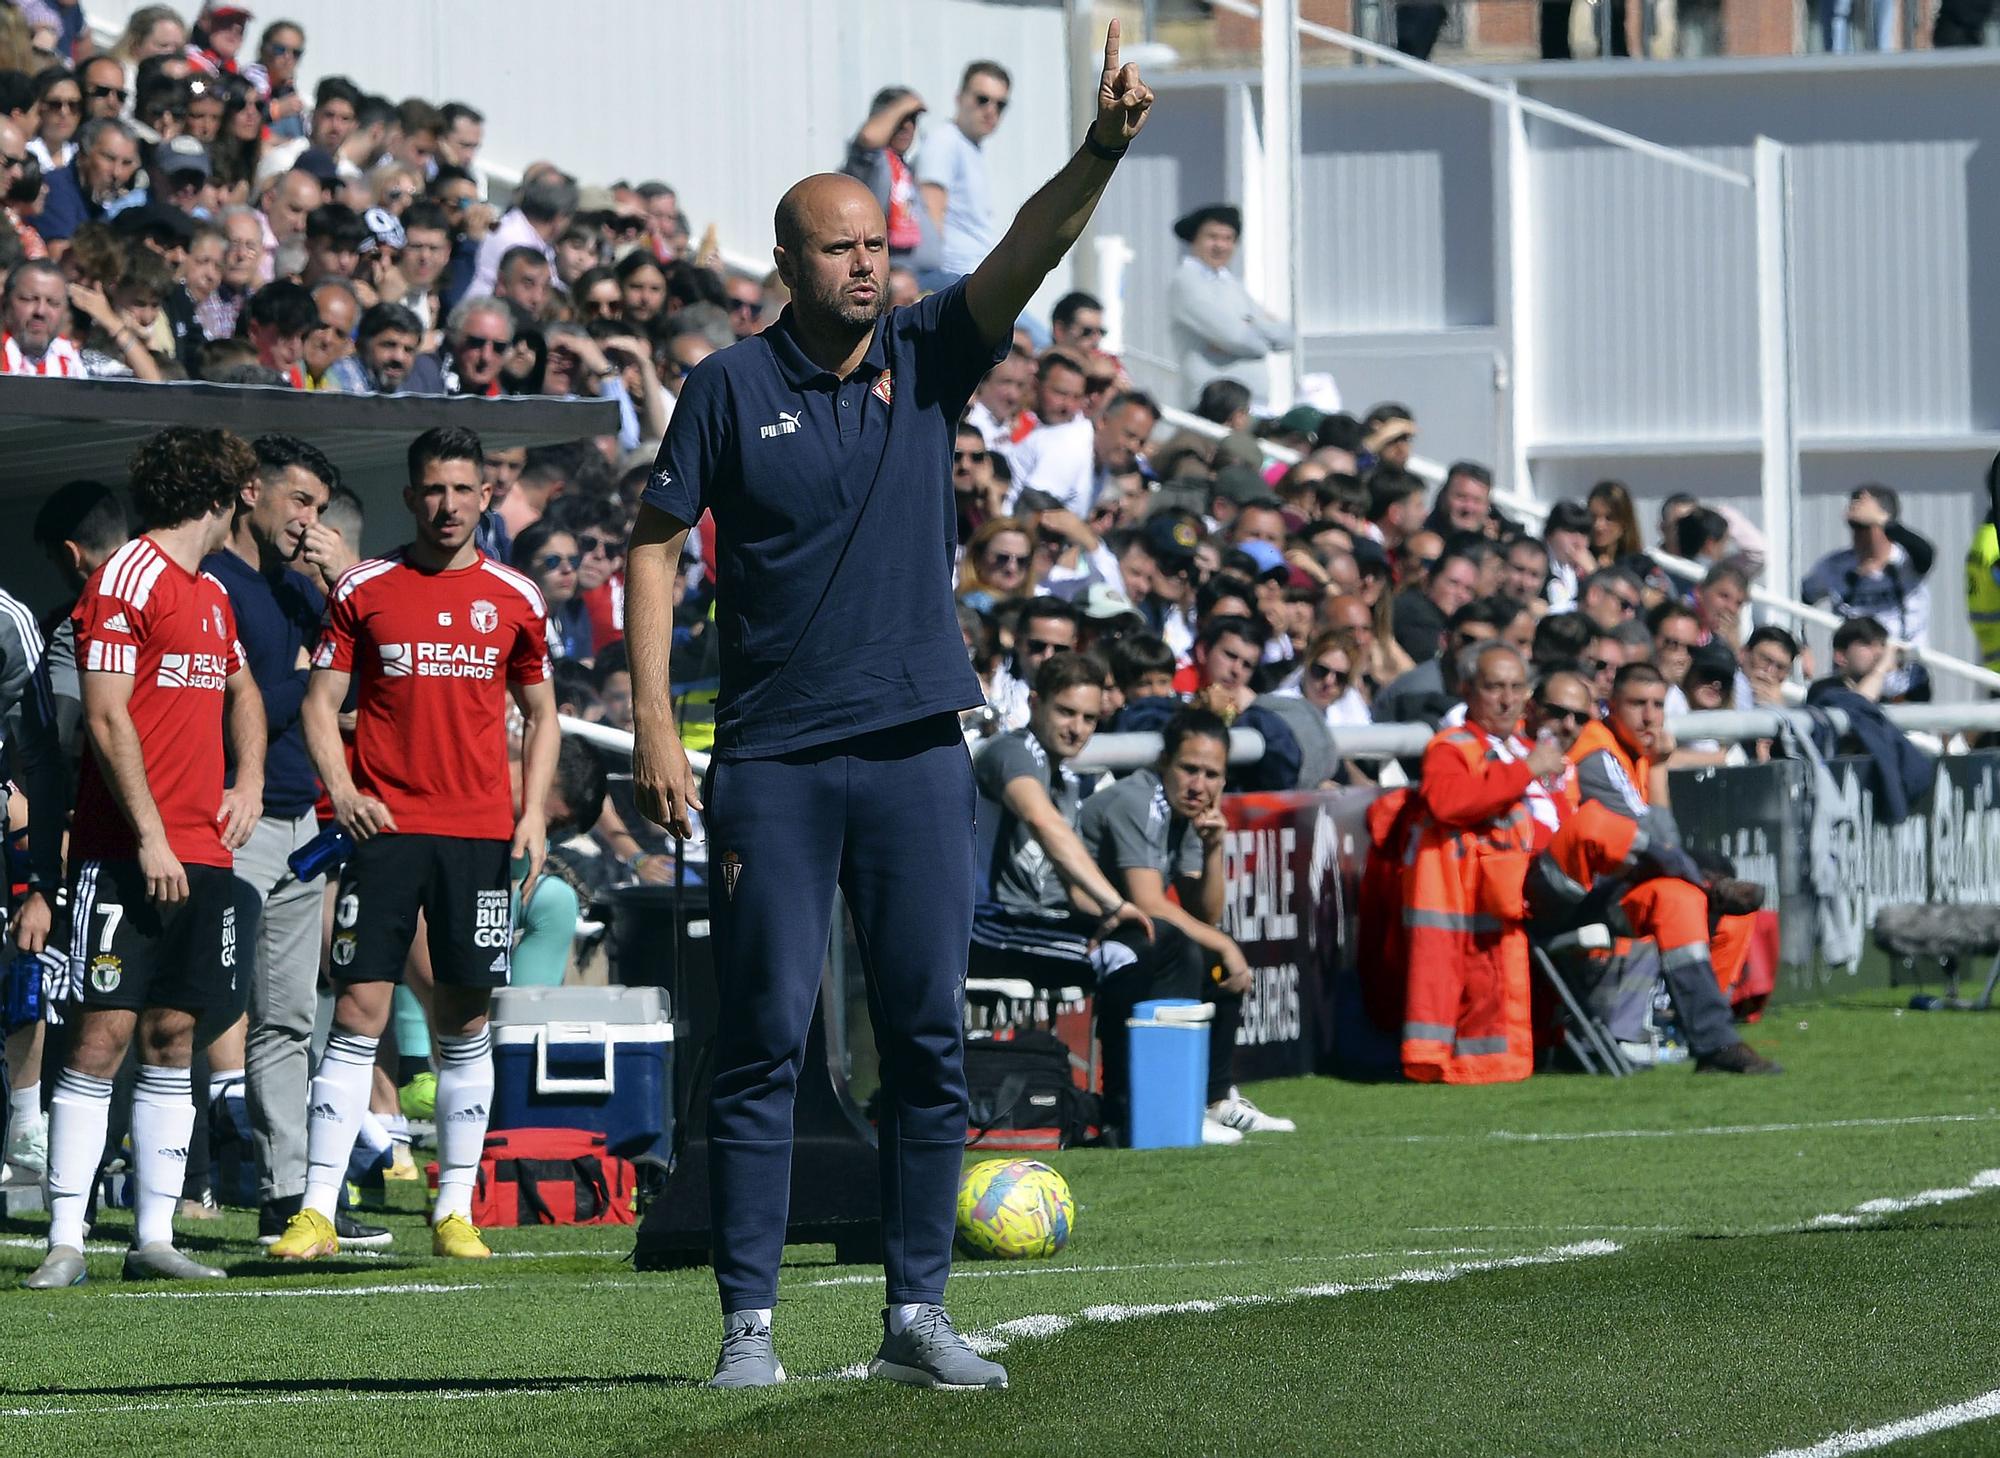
[
  {"x": 300, "y": 1399},
  {"x": 1048, "y": 1324},
  {"x": 1707, "y": 1132},
  {"x": 1986, "y": 1179},
  {"x": 1545, "y": 1230},
  {"x": 202, "y": 1293},
  {"x": 960, "y": 1273},
  {"x": 1977, "y": 1409},
  {"x": 498, "y": 1255}
]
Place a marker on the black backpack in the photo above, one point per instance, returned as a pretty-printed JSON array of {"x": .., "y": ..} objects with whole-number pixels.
[{"x": 1022, "y": 1094}]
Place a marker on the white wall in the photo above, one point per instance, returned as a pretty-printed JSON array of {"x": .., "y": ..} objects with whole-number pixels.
[{"x": 730, "y": 101}]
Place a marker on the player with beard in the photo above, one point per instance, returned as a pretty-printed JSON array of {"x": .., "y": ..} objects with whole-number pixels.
[
  {"x": 822, "y": 448},
  {"x": 438, "y": 636}
]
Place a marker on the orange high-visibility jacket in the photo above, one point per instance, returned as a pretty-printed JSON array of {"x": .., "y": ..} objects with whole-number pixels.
[
  {"x": 1466, "y": 1006},
  {"x": 1603, "y": 837}
]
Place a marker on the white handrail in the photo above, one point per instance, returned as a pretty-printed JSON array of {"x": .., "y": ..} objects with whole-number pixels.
[
  {"x": 1405, "y": 741},
  {"x": 1472, "y": 84},
  {"x": 1729, "y": 726}
]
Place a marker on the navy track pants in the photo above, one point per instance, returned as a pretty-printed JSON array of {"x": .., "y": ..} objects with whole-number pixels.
[{"x": 888, "y": 819}]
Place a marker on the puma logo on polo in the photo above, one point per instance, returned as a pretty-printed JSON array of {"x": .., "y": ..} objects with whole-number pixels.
[{"x": 788, "y": 424}]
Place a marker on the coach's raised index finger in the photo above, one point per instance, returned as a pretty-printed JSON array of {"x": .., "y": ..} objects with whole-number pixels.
[{"x": 1111, "y": 51}]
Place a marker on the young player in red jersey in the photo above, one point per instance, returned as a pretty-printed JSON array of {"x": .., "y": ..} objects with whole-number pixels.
[
  {"x": 163, "y": 930},
  {"x": 436, "y": 635}
]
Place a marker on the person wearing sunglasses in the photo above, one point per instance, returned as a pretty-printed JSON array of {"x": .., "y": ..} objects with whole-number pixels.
[
  {"x": 981, "y": 495},
  {"x": 1311, "y": 701},
  {"x": 998, "y": 564},
  {"x": 1046, "y": 626},
  {"x": 105, "y": 89},
  {"x": 478, "y": 335},
  {"x": 957, "y": 187},
  {"x": 1560, "y": 708},
  {"x": 550, "y": 555},
  {"x": 1077, "y": 325},
  {"x": 1611, "y": 596},
  {"x": 58, "y": 112},
  {"x": 275, "y": 75}
]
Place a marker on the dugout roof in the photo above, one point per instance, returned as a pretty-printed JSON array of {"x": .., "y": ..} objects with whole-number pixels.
[{"x": 57, "y": 430}]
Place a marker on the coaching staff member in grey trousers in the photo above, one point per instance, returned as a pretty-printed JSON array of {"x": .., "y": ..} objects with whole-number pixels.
[{"x": 823, "y": 449}]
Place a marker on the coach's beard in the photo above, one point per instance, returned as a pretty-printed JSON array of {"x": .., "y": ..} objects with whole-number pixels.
[{"x": 852, "y": 313}]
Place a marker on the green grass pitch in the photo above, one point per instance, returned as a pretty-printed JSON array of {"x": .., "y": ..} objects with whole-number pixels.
[{"x": 1566, "y": 1266}]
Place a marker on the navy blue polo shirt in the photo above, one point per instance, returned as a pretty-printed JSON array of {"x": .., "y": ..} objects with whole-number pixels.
[
  {"x": 835, "y": 527},
  {"x": 275, "y": 618}
]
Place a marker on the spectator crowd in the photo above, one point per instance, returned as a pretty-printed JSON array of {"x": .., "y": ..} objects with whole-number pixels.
[{"x": 180, "y": 206}]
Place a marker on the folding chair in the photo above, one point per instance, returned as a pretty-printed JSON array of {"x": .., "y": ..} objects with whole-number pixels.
[
  {"x": 1585, "y": 1035},
  {"x": 1951, "y": 935}
]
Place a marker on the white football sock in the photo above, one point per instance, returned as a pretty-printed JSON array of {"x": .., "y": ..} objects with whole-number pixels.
[
  {"x": 464, "y": 1095},
  {"x": 162, "y": 1125},
  {"x": 24, "y": 1104},
  {"x": 762, "y": 1313},
  {"x": 339, "y": 1099},
  {"x": 79, "y": 1115},
  {"x": 372, "y": 1137},
  {"x": 901, "y": 1315}
]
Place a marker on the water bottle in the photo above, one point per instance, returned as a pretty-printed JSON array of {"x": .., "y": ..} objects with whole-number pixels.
[
  {"x": 325, "y": 852},
  {"x": 24, "y": 991}
]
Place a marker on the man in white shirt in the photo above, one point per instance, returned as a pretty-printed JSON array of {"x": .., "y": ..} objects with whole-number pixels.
[
  {"x": 996, "y": 405},
  {"x": 1219, "y": 331},
  {"x": 952, "y": 171},
  {"x": 542, "y": 210},
  {"x": 1072, "y": 461}
]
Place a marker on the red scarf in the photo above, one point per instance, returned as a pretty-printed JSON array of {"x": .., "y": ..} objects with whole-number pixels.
[
  {"x": 904, "y": 232},
  {"x": 60, "y": 358}
]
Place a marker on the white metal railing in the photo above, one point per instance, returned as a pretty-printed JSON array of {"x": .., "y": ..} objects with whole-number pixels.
[
  {"x": 1104, "y": 752},
  {"x": 1459, "y": 80},
  {"x": 1405, "y": 741}
]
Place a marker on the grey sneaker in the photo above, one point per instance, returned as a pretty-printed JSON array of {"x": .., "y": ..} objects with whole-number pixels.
[
  {"x": 61, "y": 1267},
  {"x": 747, "y": 1359},
  {"x": 929, "y": 1352},
  {"x": 161, "y": 1262}
]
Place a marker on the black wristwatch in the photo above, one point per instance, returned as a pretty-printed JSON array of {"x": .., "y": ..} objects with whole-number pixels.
[{"x": 1098, "y": 149}]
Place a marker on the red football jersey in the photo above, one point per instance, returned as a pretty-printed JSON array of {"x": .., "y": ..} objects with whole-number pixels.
[
  {"x": 605, "y": 604},
  {"x": 432, "y": 654},
  {"x": 171, "y": 631}
]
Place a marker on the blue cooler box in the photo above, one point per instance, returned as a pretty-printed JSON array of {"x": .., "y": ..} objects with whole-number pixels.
[
  {"x": 597, "y": 1058},
  {"x": 1169, "y": 1077}
]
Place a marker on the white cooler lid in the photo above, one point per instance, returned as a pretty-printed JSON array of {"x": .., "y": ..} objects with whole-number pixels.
[{"x": 570, "y": 1034}]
